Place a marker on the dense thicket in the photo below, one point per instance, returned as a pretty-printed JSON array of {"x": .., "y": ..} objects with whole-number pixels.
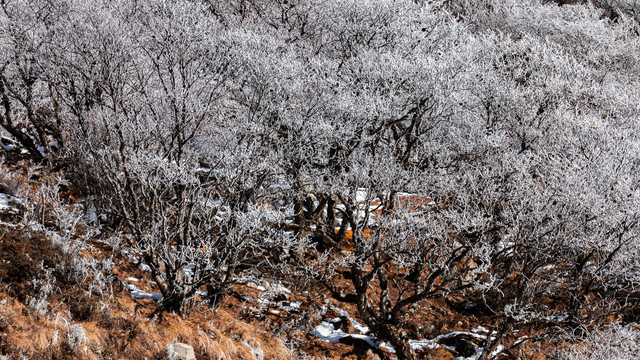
[{"x": 405, "y": 150}]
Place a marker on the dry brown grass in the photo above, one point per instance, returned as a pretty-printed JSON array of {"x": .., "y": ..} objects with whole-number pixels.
[
  {"x": 120, "y": 328},
  {"x": 132, "y": 332}
]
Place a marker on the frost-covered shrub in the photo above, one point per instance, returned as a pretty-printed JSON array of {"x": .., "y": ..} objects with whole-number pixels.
[
  {"x": 76, "y": 335},
  {"x": 477, "y": 149},
  {"x": 613, "y": 343}
]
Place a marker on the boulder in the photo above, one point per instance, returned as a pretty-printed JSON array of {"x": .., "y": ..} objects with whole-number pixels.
[{"x": 184, "y": 351}]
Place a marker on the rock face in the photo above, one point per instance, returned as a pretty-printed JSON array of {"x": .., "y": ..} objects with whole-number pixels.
[{"x": 184, "y": 351}]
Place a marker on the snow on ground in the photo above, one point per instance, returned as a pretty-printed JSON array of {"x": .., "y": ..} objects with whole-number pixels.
[
  {"x": 8, "y": 204},
  {"x": 327, "y": 331},
  {"x": 458, "y": 333},
  {"x": 480, "y": 329},
  {"x": 292, "y": 307},
  {"x": 7, "y": 144},
  {"x": 387, "y": 347},
  {"x": 144, "y": 267},
  {"x": 480, "y": 351},
  {"x": 363, "y": 329},
  {"x": 139, "y": 294},
  {"x": 265, "y": 304},
  {"x": 4, "y": 202}
]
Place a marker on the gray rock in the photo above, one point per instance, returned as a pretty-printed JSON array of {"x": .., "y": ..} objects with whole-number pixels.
[{"x": 184, "y": 351}]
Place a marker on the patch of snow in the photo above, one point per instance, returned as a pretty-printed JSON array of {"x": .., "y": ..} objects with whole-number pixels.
[
  {"x": 457, "y": 333},
  {"x": 279, "y": 288},
  {"x": 139, "y": 294},
  {"x": 327, "y": 332},
  {"x": 6, "y": 201},
  {"x": 292, "y": 307},
  {"x": 144, "y": 267},
  {"x": 7, "y": 147},
  {"x": 480, "y": 351},
  {"x": 480, "y": 329},
  {"x": 423, "y": 344},
  {"x": 363, "y": 329},
  {"x": 435, "y": 342},
  {"x": 132, "y": 279},
  {"x": 452, "y": 348},
  {"x": 497, "y": 351},
  {"x": 295, "y": 304},
  {"x": 384, "y": 346},
  {"x": 361, "y": 195}
]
